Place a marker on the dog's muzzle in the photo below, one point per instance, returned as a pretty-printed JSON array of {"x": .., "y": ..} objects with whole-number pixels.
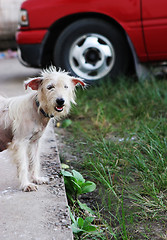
[{"x": 59, "y": 104}]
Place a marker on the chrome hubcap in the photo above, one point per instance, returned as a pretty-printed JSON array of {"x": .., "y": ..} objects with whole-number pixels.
[{"x": 92, "y": 56}]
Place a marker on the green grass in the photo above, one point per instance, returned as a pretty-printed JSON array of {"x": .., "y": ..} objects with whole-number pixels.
[{"x": 123, "y": 127}]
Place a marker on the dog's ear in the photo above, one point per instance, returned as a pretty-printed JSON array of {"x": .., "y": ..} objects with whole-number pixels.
[
  {"x": 33, "y": 83},
  {"x": 78, "y": 81}
]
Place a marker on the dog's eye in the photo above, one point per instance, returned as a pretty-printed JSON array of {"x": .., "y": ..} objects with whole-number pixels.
[
  {"x": 65, "y": 86},
  {"x": 49, "y": 87}
]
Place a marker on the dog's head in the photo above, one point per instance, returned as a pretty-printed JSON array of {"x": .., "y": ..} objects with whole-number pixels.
[{"x": 55, "y": 91}]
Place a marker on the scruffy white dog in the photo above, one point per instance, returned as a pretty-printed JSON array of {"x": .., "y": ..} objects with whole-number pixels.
[{"x": 24, "y": 118}]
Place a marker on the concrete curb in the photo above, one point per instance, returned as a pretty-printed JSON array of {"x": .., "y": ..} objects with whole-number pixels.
[{"x": 40, "y": 215}]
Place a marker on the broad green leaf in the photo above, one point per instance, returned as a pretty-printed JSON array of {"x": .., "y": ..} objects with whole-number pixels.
[
  {"x": 88, "y": 187},
  {"x": 77, "y": 187},
  {"x": 84, "y": 206},
  {"x": 90, "y": 228},
  {"x": 80, "y": 222},
  {"x": 78, "y": 176},
  {"x": 64, "y": 166},
  {"x": 75, "y": 228},
  {"x": 88, "y": 221},
  {"x": 66, "y": 173}
]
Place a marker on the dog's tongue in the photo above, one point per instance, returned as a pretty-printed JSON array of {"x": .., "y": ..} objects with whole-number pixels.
[{"x": 59, "y": 108}]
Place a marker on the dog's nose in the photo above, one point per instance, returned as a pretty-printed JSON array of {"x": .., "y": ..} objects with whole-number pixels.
[{"x": 60, "y": 101}]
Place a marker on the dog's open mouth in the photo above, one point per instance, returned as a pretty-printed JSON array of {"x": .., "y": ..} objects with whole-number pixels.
[{"x": 59, "y": 108}]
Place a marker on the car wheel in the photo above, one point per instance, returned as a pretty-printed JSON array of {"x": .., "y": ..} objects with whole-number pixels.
[{"x": 92, "y": 49}]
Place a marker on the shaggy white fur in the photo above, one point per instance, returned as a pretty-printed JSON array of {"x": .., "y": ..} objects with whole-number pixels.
[{"x": 24, "y": 118}]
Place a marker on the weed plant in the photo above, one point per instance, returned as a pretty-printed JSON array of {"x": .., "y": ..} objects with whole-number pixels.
[{"x": 124, "y": 129}]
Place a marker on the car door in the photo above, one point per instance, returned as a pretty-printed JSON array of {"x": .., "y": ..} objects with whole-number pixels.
[{"x": 154, "y": 16}]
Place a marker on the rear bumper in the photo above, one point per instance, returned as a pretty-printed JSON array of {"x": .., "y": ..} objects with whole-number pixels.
[
  {"x": 30, "y": 54},
  {"x": 30, "y": 36},
  {"x": 30, "y": 46}
]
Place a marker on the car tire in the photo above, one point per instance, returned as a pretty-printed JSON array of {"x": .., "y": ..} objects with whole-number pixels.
[{"x": 92, "y": 49}]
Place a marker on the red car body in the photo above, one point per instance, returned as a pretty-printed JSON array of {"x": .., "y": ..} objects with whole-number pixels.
[{"x": 144, "y": 22}]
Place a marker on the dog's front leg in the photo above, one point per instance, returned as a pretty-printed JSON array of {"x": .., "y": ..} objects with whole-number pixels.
[
  {"x": 19, "y": 150},
  {"x": 34, "y": 154}
]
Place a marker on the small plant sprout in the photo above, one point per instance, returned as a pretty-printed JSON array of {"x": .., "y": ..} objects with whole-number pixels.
[
  {"x": 76, "y": 184},
  {"x": 81, "y": 226}
]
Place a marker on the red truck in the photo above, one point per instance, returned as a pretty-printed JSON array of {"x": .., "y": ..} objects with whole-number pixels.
[{"x": 92, "y": 38}]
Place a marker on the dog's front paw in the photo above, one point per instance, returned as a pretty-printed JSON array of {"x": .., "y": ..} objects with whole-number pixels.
[
  {"x": 30, "y": 187},
  {"x": 40, "y": 180}
]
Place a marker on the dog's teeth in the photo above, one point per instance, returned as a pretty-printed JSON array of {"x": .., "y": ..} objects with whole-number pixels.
[{"x": 59, "y": 109}]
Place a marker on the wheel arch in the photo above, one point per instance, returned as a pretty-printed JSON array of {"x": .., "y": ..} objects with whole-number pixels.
[{"x": 58, "y": 27}]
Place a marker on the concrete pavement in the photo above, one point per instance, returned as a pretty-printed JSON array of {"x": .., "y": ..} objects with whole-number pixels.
[
  {"x": 12, "y": 75},
  {"x": 40, "y": 215}
]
